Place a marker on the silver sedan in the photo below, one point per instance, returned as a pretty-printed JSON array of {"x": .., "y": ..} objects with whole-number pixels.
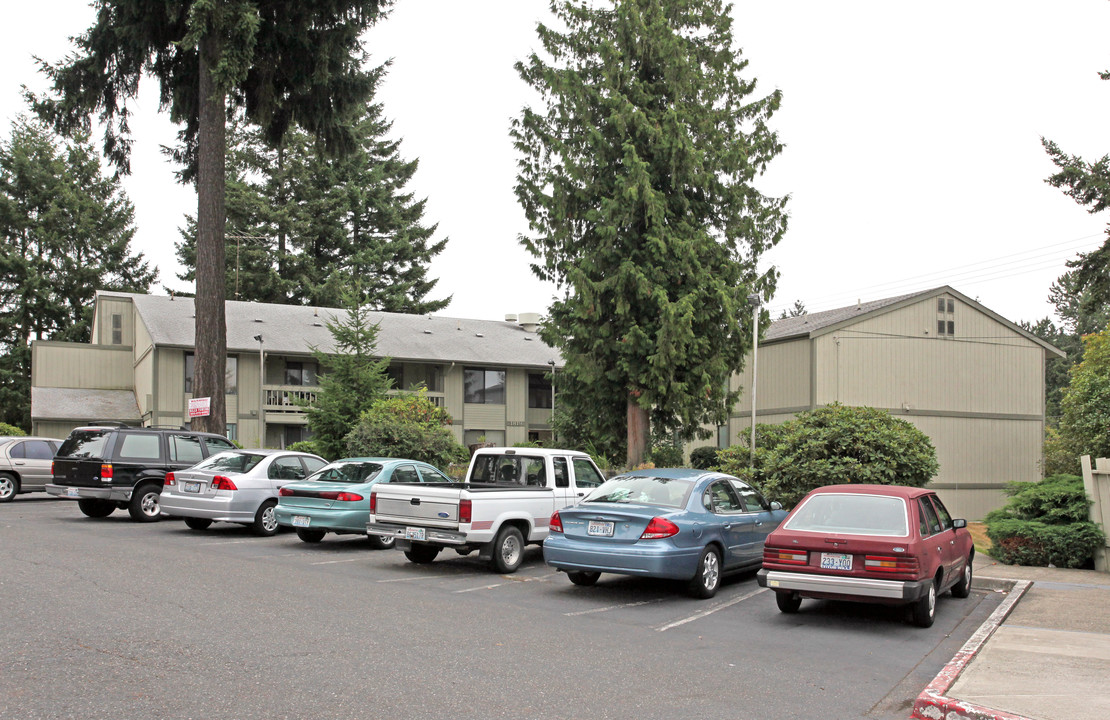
[{"x": 239, "y": 486}]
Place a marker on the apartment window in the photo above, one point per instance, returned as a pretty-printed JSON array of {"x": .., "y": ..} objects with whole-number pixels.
[
  {"x": 300, "y": 373},
  {"x": 117, "y": 329},
  {"x": 539, "y": 391},
  {"x": 231, "y": 374},
  {"x": 946, "y": 317},
  {"x": 483, "y": 386},
  {"x": 294, "y": 434}
]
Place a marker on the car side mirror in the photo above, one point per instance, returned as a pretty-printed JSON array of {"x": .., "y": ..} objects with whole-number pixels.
[
  {"x": 776, "y": 506},
  {"x": 961, "y": 523}
]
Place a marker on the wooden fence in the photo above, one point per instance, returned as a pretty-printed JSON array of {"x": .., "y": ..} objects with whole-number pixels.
[{"x": 1096, "y": 481}]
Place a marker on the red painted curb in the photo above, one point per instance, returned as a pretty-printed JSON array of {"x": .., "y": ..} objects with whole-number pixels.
[{"x": 933, "y": 704}]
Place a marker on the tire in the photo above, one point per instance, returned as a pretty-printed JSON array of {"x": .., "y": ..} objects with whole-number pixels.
[
  {"x": 788, "y": 602},
  {"x": 585, "y": 579},
  {"x": 196, "y": 523},
  {"x": 508, "y": 550},
  {"x": 422, "y": 554},
  {"x": 144, "y": 506},
  {"x": 707, "y": 580},
  {"x": 9, "y": 487},
  {"x": 310, "y": 536},
  {"x": 963, "y": 588},
  {"x": 925, "y": 609},
  {"x": 96, "y": 508},
  {"x": 382, "y": 543},
  {"x": 265, "y": 520}
]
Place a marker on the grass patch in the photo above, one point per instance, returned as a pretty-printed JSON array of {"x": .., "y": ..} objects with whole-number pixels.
[{"x": 978, "y": 532}]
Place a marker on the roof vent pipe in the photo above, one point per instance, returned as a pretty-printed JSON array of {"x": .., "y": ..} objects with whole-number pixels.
[{"x": 529, "y": 321}]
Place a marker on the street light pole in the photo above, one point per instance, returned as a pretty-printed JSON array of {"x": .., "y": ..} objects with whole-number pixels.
[
  {"x": 552, "y": 364},
  {"x": 753, "y": 300},
  {"x": 261, "y": 393}
]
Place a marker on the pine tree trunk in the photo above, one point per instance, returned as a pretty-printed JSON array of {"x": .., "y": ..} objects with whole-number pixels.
[
  {"x": 637, "y": 433},
  {"x": 211, "y": 329}
]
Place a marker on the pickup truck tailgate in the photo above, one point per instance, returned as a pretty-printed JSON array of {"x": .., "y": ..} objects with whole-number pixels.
[{"x": 425, "y": 505}]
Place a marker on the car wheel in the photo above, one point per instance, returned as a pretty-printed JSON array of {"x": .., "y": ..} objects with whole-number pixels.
[
  {"x": 585, "y": 579},
  {"x": 380, "y": 542},
  {"x": 508, "y": 550},
  {"x": 144, "y": 505},
  {"x": 96, "y": 508},
  {"x": 197, "y": 523},
  {"x": 265, "y": 520},
  {"x": 422, "y": 554},
  {"x": 310, "y": 536},
  {"x": 963, "y": 588},
  {"x": 788, "y": 602},
  {"x": 9, "y": 487},
  {"x": 707, "y": 579},
  {"x": 925, "y": 609}
]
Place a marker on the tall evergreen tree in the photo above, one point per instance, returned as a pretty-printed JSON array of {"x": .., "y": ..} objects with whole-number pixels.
[
  {"x": 66, "y": 230},
  {"x": 283, "y": 62},
  {"x": 637, "y": 182},
  {"x": 304, "y": 223}
]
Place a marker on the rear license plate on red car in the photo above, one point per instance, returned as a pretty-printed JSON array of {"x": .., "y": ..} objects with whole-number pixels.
[
  {"x": 836, "y": 561},
  {"x": 599, "y": 528}
]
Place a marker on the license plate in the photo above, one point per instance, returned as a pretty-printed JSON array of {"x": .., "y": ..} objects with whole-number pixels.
[
  {"x": 836, "y": 561},
  {"x": 193, "y": 487},
  {"x": 301, "y": 520},
  {"x": 73, "y": 492},
  {"x": 599, "y": 528},
  {"x": 414, "y": 533}
]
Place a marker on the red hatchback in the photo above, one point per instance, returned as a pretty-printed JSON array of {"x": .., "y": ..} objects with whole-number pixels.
[{"x": 884, "y": 544}]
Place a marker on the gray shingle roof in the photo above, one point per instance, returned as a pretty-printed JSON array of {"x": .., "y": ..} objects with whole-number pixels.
[
  {"x": 806, "y": 324},
  {"x": 296, "y": 329},
  {"x": 49, "y": 403}
]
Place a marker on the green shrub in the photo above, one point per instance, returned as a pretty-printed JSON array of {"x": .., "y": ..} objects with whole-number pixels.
[
  {"x": 1044, "y": 523},
  {"x": 308, "y": 446},
  {"x": 6, "y": 429},
  {"x": 407, "y": 426},
  {"x": 703, "y": 458},
  {"x": 666, "y": 456}
]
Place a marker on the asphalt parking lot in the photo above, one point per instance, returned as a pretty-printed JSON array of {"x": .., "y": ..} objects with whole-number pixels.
[{"x": 110, "y": 618}]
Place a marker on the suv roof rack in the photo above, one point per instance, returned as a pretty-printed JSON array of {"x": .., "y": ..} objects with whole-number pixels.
[
  {"x": 165, "y": 427},
  {"x": 109, "y": 423}
]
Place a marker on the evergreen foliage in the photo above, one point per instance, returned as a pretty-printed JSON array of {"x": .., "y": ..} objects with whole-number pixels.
[
  {"x": 353, "y": 381},
  {"x": 1044, "y": 523},
  {"x": 407, "y": 426},
  {"x": 281, "y": 63},
  {"x": 301, "y": 222},
  {"x": 703, "y": 458},
  {"x": 1085, "y": 405},
  {"x": 834, "y": 444},
  {"x": 67, "y": 230},
  {"x": 637, "y": 182}
]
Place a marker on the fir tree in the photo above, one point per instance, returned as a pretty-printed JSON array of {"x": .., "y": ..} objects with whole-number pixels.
[{"x": 637, "y": 182}]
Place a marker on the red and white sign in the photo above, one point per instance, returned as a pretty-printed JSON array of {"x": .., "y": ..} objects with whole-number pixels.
[{"x": 199, "y": 407}]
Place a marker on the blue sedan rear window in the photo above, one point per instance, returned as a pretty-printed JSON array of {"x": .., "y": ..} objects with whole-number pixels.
[{"x": 664, "y": 492}]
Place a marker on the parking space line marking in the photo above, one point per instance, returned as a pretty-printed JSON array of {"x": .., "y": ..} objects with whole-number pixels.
[
  {"x": 410, "y": 579},
  {"x": 333, "y": 562},
  {"x": 484, "y": 587},
  {"x": 613, "y": 607},
  {"x": 226, "y": 542},
  {"x": 710, "y": 611}
]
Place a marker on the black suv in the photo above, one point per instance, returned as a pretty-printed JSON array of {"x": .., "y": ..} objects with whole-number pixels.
[{"x": 104, "y": 468}]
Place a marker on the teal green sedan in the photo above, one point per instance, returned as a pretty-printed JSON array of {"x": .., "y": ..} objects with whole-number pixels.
[{"x": 336, "y": 498}]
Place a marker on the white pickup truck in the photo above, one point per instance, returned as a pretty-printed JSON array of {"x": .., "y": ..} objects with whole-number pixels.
[{"x": 505, "y": 503}]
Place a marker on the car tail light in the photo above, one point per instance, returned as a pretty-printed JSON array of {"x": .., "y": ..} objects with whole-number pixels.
[
  {"x": 659, "y": 528},
  {"x": 223, "y": 483},
  {"x": 466, "y": 511},
  {"x": 373, "y": 503},
  {"x": 285, "y": 492},
  {"x": 891, "y": 564},
  {"x": 106, "y": 471},
  {"x": 788, "y": 557},
  {"x": 170, "y": 480},
  {"x": 556, "y": 523},
  {"x": 348, "y": 497}
]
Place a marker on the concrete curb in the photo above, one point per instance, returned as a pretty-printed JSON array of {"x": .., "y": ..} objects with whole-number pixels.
[{"x": 932, "y": 703}]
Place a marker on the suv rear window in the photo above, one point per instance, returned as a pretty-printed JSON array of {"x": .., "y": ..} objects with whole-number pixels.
[
  {"x": 137, "y": 446},
  {"x": 84, "y": 444},
  {"x": 851, "y": 514}
]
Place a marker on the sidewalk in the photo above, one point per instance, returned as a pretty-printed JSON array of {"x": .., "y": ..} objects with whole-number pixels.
[{"x": 1043, "y": 655}]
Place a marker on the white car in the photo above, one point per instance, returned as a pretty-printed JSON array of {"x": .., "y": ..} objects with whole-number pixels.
[{"x": 238, "y": 486}]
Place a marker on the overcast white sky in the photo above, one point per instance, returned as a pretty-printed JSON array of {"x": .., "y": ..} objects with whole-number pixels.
[{"x": 913, "y": 133}]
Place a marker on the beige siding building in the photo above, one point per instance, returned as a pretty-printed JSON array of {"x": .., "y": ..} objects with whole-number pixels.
[
  {"x": 490, "y": 376},
  {"x": 968, "y": 378}
]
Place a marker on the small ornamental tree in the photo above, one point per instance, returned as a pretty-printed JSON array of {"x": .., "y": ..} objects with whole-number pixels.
[
  {"x": 407, "y": 426},
  {"x": 1086, "y": 402},
  {"x": 833, "y": 445}
]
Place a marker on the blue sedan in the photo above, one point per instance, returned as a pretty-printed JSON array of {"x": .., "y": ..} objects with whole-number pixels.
[
  {"x": 679, "y": 524},
  {"x": 336, "y": 499}
]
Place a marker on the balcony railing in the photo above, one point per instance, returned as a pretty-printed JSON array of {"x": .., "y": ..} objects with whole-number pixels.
[{"x": 293, "y": 398}]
